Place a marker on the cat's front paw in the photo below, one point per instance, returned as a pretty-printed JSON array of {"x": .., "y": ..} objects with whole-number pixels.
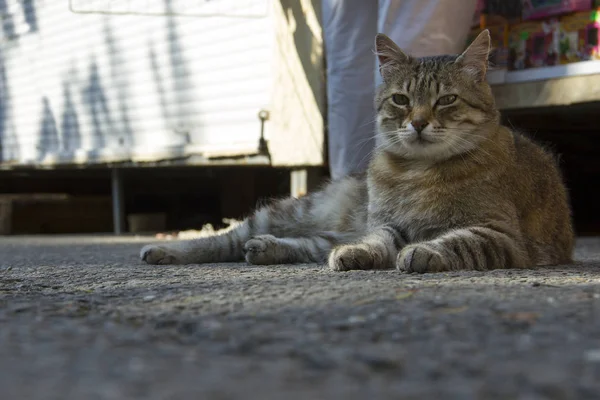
[
  {"x": 261, "y": 250},
  {"x": 421, "y": 259},
  {"x": 349, "y": 257},
  {"x": 155, "y": 254}
]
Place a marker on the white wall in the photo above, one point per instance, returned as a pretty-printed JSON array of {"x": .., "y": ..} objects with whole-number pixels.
[{"x": 85, "y": 87}]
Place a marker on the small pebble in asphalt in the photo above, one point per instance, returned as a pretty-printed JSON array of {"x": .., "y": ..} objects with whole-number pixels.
[{"x": 592, "y": 355}]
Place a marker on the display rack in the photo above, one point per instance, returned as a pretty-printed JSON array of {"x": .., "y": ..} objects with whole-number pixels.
[{"x": 548, "y": 86}]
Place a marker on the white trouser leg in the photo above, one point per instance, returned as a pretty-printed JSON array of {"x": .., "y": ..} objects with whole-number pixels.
[
  {"x": 420, "y": 27},
  {"x": 349, "y": 28},
  {"x": 426, "y": 27}
]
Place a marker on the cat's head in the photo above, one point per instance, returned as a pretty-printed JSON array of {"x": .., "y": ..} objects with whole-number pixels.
[{"x": 433, "y": 108}]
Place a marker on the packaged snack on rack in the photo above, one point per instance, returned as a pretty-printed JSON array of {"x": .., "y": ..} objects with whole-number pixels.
[
  {"x": 541, "y": 9},
  {"x": 579, "y": 39},
  {"x": 534, "y": 44},
  {"x": 507, "y": 9},
  {"x": 478, "y": 13},
  {"x": 497, "y": 12}
]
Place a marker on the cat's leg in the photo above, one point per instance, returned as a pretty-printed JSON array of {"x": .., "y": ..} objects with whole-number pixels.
[
  {"x": 269, "y": 250},
  {"x": 377, "y": 250},
  {"x": 277, "y": 219},
  {"x": 473, "y": 248},
  {"x": 227, "y": 247},
  {"x": 287, "y": 218},
  {"x": 339, "y": 207}
]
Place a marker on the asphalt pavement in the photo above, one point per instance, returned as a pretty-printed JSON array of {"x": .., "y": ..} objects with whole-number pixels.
[{"x": 84, "y": 318}]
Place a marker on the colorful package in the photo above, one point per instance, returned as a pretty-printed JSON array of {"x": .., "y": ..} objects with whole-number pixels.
[
  {"x": 508, "y": 9},
  {"x": 496, "y": 12},
  {"x": 579, "y": 37},
  {"x": 533, "y": 44},
  {"x": 478, "y": 11},
  {"x": 540, "y": 9}
]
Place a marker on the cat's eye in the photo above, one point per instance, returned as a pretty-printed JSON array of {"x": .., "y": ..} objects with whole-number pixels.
[
  {"x": 400, "y": 99},
  {"x": 447, "y": 100}
]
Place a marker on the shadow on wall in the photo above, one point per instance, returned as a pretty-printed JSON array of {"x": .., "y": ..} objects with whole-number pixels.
[
  {"x": 173, "y": 92},
  {"x": 19, "y": 19},
  {"x": 123, "y": 135},
  {"x": 9, "y": 145},
  {"x": 179, "y": 72},
  {"x": 51, "y": 139},
  {"x": 69, "y": 127},
  {"x": 109, "y": 128},
  {"x": 8, "y": 24},
  {"x": 48, "y": 142},
  {"x": 94, "y": 100},
  {"x": 307, "y": 45},
  {"x": 102, "y": 96},
  {"x": 30, "y": 14},
  {"x": 111, "y": 125}
]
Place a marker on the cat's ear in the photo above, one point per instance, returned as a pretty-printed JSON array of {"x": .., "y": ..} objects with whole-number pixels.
[
  {"x": 389, "y": 54},
  {"x": 474, "y": 60}
]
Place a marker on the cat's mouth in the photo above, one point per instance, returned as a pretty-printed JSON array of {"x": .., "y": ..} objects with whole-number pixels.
[{"x": 422, "y": 139}]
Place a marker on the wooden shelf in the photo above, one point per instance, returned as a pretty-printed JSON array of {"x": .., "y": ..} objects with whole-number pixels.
[{"x": 549, "y": 86}]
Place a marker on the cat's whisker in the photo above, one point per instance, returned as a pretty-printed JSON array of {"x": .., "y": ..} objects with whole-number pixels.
[
  {"x": 369, "y": 122},
  {"x": 366, "y": 139},
  {"x": 362, "y": 143},
  {"x": 467, "y": 142},
  {"x": 377, "y": 148}
]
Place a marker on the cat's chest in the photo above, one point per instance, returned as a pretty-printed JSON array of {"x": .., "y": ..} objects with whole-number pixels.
[
  {"x": 415, "y": 200},
  {"x": 419, "y": 207}
]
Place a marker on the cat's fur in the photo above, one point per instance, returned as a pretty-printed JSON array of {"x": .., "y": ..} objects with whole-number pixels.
[{"x": 464, "y": 193}]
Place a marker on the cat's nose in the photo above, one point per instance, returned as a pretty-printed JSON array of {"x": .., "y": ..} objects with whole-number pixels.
[{"x": 419, "y": 124}]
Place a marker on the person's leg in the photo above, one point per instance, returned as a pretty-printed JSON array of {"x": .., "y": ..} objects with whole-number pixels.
[
  {"x": 349, "y": 28},
  {"x": 426, "y": 27}
]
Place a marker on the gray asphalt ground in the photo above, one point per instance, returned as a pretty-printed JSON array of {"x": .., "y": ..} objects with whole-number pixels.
[{"x": 83, "y": 318}]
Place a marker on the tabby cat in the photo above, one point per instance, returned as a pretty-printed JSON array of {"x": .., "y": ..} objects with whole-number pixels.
[{"x": 447, "y": 188}]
